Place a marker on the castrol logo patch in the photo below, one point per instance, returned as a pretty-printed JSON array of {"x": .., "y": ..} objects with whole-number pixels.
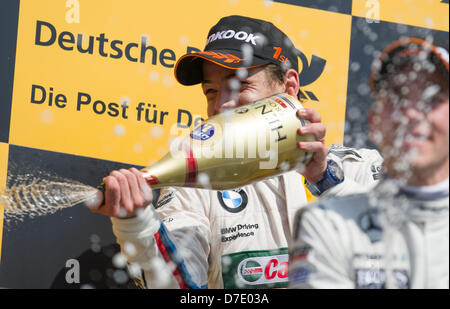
[{"x": 263, "y": 270}]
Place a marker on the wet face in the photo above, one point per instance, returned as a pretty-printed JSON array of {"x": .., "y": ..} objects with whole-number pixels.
[
  {"x": 225, "y": 88},
  {"x": 410, "y": 122}
]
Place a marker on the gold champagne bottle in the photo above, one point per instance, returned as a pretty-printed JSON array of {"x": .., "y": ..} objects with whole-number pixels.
[{"x": 235, "y": 148}]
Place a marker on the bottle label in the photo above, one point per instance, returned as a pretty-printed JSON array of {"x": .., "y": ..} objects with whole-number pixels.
[{"x": 203, "y": 132}]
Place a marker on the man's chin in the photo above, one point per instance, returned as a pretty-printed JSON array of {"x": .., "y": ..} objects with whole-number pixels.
[
  {"x": 422, "y": 163},
  {"x": 406, "y": 163},
  {"x": 416, "y": 160}
]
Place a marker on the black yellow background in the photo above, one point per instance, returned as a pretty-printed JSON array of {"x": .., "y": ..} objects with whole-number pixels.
[{"x": 85, "y": 146}]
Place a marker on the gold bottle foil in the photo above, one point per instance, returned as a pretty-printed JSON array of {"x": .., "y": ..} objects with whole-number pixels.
[{"x": 235, "y": 148}]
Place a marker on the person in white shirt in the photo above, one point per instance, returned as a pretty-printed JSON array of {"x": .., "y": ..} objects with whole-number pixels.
[
  {"x": 396, "y": 235},
  {"x": 198, "y": 238}
]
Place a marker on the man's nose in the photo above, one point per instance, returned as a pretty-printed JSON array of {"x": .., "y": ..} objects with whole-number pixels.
[
  {"x": 228, "y": 98},
  {"x": 414, "y": 113}
]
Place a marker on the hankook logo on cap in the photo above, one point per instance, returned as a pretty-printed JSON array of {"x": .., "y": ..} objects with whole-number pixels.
[
  {"x": 233, "y": 200},
  {"x": 228, "y": 34}
]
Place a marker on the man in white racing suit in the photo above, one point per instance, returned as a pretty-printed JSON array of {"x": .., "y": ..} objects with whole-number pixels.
[
  {"x": 196, "y": 238},
  {"x": 396, "y": 235},
  {"x": 230, "y": 239}
]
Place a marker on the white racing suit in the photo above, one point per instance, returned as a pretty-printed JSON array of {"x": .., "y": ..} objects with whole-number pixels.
[
  {"x": 388, "y": 238},
  {"x": 197, "y": 238}
]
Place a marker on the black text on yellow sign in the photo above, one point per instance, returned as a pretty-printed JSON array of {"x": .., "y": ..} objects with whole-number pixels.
[
  {"x": 108, "y": 77},
  {"x": 143, "y": 111},
  {"x": 48, "y": 35}
]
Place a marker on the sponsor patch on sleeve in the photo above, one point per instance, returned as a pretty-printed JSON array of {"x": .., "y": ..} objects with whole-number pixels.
[
  {"x": 344, "y": 152},
  {"x": 377, "y": 171}
]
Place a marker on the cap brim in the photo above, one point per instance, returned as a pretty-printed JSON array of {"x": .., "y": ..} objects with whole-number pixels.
[
  {"x": 404, "y": 45},
  {"x": 188, "y": 69}
]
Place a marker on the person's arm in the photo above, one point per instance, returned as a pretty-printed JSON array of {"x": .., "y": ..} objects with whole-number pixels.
[
  {"x": 317, "y": 257},
  {"x": 337, "y": 170},
  {"x": 170, "y": 245},
  {"x": 349, "y": 171}
]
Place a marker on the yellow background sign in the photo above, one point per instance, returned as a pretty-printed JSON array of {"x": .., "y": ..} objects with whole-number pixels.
[
  {"x": 105, "y": 88},
  {"x": 431, "y": 14},
  {"x": 95, "y": 78}
]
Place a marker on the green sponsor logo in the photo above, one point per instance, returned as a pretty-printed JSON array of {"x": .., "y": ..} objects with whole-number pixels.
[
  {"x": 255, "y": 269},
  {"x": 251, "y": 270}
]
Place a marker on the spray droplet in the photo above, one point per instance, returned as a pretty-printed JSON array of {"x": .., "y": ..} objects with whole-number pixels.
[
  {"x": 134, "y": 270},
  {"x": 184, "y": 40},
  {"x": 304, "y": 34},
  {"x": 146, "y": 38},
  {"x": 162, "y": 273},
  {"x": 95, "y": 200},
  {"x": 242, "y": 73},
  {"x": 129, "y": 248},
  {"x": 204, "y": 180},
  {"x": 247, "y": 51},
  {"x": 119, "y": 260},
  {"x": 47, "y": 116},
  {"x": 94, "y": 238},
  {"x": 156, "y": 132},
  {"x": 234, "y": 84},
  {"x": 125, "y": 101},
  {"x": 285, "y": 166},
  {"x": 355, "y": 66},
  {"x": 168, "y": 81},
  {"x": 119, "y": 130},
  {"x": 268, "y": 3},
  {"x": 138, "y": 148},
  {"x": 154, "y": 76},
  {"x": 120, "y": 276}
]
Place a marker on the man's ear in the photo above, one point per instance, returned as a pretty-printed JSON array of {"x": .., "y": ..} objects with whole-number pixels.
[{"x": 291, "y": 83}]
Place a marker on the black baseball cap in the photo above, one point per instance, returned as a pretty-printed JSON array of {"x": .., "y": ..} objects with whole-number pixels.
[
  {"x": 404, "y": 51},
  {"x": 239, "y": 42}
]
